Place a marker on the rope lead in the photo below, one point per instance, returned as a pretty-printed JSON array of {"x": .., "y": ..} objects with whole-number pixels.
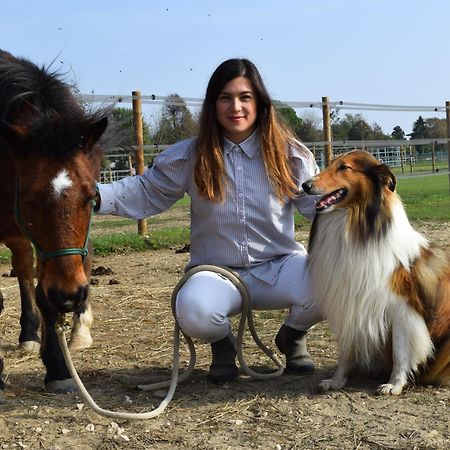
[{"x": 246, "y": 314}]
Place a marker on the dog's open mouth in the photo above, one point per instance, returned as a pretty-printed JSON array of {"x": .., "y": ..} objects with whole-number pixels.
[{"x": 330, "y": 199}]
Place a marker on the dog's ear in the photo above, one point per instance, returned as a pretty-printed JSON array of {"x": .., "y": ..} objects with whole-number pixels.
[{"x": 387, "y": 177}]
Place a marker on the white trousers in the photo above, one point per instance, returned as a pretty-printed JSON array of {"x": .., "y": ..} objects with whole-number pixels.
[{"x": 207, "y": 300}]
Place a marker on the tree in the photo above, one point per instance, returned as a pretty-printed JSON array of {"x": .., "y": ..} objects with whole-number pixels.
[
  {"x": 305, "y": 128},
  {"x": 341, "y": 126},
  {"x": 288, "y": 115},
  {"x": 431, "y": 128},
  {"x": 359, "y": 131},
  {"x": 377, "y": 132},
  {"x": 176, "y": 122},
  {"x": 355, "y": 127},
  {"x": 122, "y": 129},
  {"x": 398, "y": 133},
  {"x": 122, "y": 119},
  {"x": 418, "y": 130},
  {"x": 435, "y": 128},
  {"x": 309, "y": 129}
]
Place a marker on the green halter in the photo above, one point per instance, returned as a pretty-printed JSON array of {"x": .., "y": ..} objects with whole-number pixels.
[{"x": 60, "y": 252}]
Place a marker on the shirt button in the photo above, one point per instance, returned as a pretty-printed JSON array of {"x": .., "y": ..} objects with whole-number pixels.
[
  {"x": 241, "y": 194},
  {"x": 244, "y": 243},
  {"x": 239, "y": 168}
]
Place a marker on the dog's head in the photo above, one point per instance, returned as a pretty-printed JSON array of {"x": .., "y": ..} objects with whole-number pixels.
[{"x": 353, "y": 179}]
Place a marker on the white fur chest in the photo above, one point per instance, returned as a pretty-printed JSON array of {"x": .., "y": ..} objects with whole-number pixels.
[{"x": 351, "y": 280}]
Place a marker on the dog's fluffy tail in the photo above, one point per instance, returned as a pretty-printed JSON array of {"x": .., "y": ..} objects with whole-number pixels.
[{"x": 439, "y": 370}]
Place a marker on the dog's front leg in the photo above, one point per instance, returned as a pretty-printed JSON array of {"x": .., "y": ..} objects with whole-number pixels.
[
  {"x": 400, "y": 363},
  {"x": 411, "y": 346},
  {"x": 339, "y": 379}
]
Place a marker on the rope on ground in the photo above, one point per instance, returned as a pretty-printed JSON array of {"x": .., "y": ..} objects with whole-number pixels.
[{"x": 246, "y": 314}]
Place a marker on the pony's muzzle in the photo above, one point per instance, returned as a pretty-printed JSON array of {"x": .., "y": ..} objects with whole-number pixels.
[{"x": 65, "y": 302}]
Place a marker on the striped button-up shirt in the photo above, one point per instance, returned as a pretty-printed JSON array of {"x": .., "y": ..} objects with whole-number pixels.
[{"x": 251, "y": 230}]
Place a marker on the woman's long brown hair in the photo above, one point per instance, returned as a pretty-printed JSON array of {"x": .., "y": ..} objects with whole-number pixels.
[{"x": 275, "y": 137}]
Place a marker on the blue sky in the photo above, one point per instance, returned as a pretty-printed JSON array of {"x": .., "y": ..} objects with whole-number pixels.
[{"x": 391, "y": 52}]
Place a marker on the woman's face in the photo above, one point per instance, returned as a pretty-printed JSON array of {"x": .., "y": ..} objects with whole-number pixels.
[{"x": 236, "y": 109}]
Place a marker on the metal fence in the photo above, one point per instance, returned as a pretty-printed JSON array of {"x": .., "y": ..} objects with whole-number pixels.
[{"x": 404, "y": 156}]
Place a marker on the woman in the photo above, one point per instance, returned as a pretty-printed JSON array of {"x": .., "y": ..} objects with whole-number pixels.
[{"x": 243, "y": 173}]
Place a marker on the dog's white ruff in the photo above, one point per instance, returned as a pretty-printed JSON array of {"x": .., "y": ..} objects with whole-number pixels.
[{"x": 352, "y": 283}]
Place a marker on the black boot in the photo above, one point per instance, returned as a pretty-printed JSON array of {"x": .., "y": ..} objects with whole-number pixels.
[
  {"x": 292, "y": 343},
  {"x": 223, "y": 368}
]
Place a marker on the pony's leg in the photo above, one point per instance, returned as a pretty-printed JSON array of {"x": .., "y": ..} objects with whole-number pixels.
[
  {"x": 57, "y": 378},
  {"x": 2, "y": 385},
  {"x": 80, "y": 337},
  {"x": 22, "y": 263}
]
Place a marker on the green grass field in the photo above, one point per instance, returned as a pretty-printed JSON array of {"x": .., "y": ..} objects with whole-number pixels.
[
  {"x": 426, "y": 197},
  {"x": 421, "y": 167}
]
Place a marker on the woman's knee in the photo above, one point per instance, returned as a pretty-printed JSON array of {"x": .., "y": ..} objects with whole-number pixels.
[
  {"x": 195, "y": 317},
  {"x": 204, "y": 304}
]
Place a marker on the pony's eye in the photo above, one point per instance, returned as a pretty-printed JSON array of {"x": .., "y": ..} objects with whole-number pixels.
[{"x": 343, "y": 166}]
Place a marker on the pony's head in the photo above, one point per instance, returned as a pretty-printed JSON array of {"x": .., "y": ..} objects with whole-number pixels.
[{"x": 57, "y": 161}]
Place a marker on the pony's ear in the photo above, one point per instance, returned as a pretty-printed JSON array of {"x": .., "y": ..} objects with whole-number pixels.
[
  {"x": 13, "y": 135},
  {"x": 387, "y": 177},
  {"x": 96, "y": 130}
]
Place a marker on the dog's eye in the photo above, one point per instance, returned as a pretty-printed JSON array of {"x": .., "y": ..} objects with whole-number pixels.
[{"x": 343, "y": 166}]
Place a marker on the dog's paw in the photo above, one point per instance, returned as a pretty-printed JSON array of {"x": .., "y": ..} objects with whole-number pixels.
[
  {"x": 390, "y": 389},
  {"x": 331, "y": 384}
]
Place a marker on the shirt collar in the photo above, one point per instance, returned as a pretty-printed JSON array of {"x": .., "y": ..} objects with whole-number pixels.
[{"x": 249, "y": 146}]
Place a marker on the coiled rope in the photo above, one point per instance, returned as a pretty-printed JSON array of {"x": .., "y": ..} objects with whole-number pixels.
[{"x": 246, "y": 314}]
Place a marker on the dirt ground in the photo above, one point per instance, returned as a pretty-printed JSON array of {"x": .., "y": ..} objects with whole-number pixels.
[{"x": 133, "y": 344}]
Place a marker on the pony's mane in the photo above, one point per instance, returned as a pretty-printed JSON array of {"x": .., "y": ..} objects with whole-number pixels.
[{"x": 39, "y": 99}]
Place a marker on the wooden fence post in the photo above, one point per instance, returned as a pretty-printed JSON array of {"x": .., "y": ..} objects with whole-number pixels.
[
  {"x": 411, "y": 159},
  {"x": 130, "y": 165},
  {"x": 433, "y": 158},
  {"x": 328, "y": 154},
  {"x": 139, "y": 152},
  {"x": 447, "y": 114},
  {"x": 401, "y": 157}
]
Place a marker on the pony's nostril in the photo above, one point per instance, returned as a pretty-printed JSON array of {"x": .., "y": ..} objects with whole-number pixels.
[
  {"x": 82, "y": 294},
  {"x": 68, "y": 306},
  {"x": 64, "y": 302}
]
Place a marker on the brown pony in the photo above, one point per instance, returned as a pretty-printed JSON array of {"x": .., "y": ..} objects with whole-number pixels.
[{"x": 49, "y": 162}]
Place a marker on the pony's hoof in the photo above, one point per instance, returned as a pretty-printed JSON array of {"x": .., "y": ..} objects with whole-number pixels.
[
  {"x": 80, "y": 342},
  {"x": 66, "y": 386},
  {"x": 30, "y": 346}
]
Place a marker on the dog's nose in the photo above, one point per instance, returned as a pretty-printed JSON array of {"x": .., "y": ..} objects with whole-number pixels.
[{"x": 307, "y": 186}]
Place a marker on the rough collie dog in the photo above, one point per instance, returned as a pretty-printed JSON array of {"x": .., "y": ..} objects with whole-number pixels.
[{"x": 384, "y": 289}]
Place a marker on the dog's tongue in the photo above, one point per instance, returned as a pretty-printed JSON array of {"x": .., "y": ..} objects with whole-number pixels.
[{"x": 328, "y": 200}]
